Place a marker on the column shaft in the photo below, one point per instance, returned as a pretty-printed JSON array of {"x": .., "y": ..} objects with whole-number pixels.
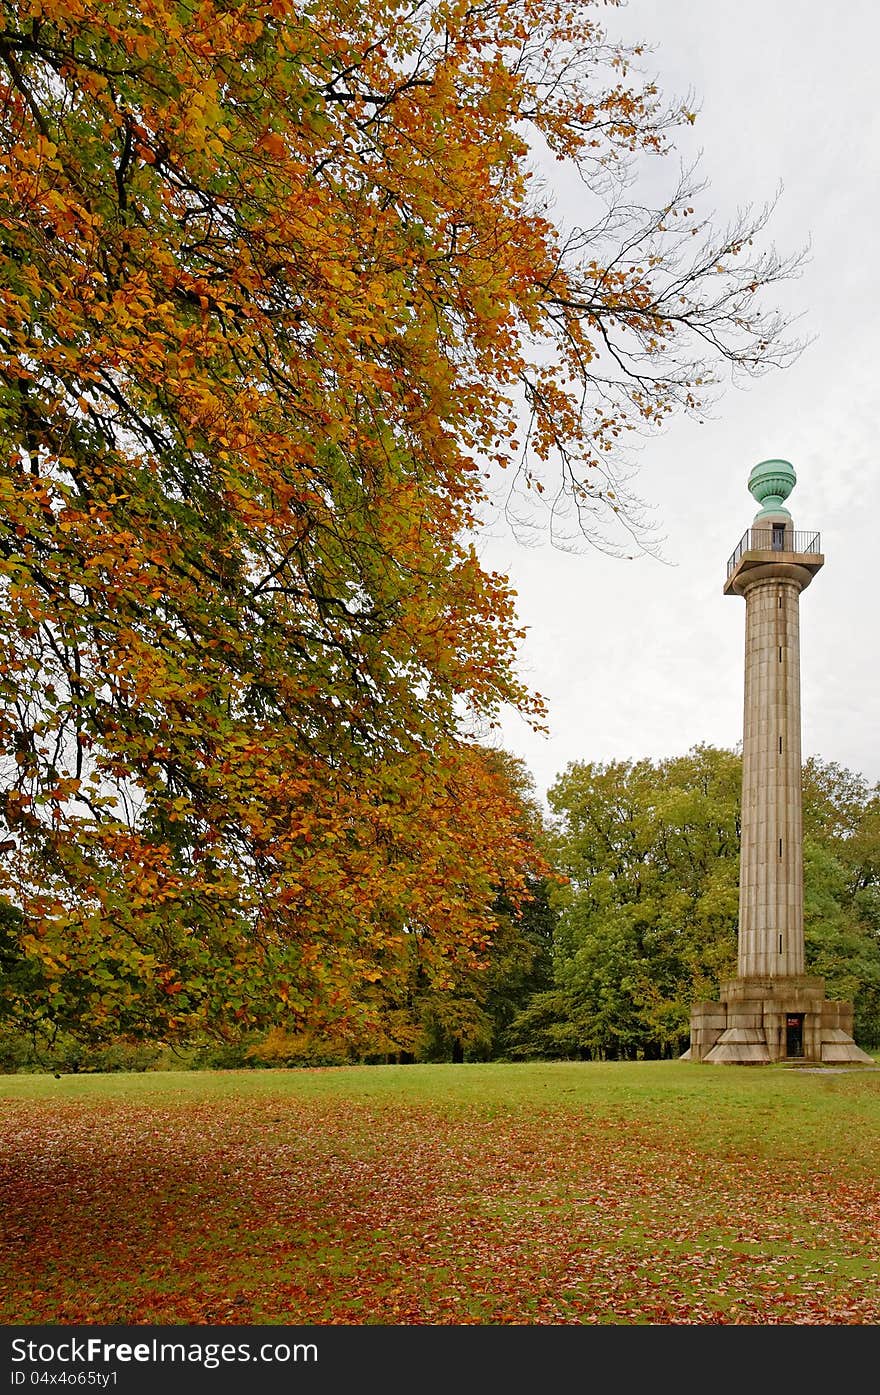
[{"x": 771, "y": 909}]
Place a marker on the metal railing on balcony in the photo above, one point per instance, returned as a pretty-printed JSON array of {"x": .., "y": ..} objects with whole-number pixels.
[{"x": 777, "y": 539}]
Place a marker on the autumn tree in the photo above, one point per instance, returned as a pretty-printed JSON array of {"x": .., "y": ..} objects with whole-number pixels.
[
  {"x": 470, "y": 1020},
  {"x": 278, "y": 289},
  {"x": 415, "y": 1017}
]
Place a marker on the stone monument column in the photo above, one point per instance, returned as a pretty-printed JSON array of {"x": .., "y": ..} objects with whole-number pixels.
[
  {"x": 772, "y": 1010},
  {"x": 771, "y": 908}
]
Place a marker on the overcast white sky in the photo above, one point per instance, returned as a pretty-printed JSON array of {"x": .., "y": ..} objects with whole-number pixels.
[{"x": 641, "y": 658}]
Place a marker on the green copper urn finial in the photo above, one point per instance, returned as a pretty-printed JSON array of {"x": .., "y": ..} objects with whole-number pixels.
[{"x": 770, "y": 483}]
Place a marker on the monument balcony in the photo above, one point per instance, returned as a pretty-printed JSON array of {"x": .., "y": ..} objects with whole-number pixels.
[{"x": 776, "y": 546}]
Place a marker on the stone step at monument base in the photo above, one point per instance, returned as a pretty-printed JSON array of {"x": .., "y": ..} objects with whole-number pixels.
[
  {"x": 838, "y": 1047},
  {"x": 743, "y": 1046}
]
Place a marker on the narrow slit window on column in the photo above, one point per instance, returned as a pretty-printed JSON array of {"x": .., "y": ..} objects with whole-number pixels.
[
  {"x": 780, "y": 653},
  {"x": 780, "y": 847},
  {"x": 780, "y": 745},
  {"x": 780, "y": 600},
  {"x": 780, "y": 944}
]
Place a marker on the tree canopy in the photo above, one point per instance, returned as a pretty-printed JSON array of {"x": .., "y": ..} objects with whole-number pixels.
[{"x": 277, "y": 290}]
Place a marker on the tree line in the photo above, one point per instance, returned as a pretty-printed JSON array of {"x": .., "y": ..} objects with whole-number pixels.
[
  {"x": 632, "y": 918},
  {"x": 637, "y": 918}
]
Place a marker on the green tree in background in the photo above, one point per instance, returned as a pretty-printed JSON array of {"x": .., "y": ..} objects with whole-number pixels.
[
  {"x": 842, "y": 888},
  {"x": 647, "y": 920}
]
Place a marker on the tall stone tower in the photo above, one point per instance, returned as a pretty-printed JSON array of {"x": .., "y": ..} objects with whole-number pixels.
[{"x": 772, "y": 1010}]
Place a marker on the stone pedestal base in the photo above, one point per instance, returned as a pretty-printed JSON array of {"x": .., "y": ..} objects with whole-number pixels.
[{"x": 761, "y": 1020}]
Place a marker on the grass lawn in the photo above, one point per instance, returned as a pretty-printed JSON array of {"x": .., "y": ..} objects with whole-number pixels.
[{"x": 660, "y": 1192}]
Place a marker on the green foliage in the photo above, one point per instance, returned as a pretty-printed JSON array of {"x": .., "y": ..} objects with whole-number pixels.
[
  {"x": 647, "y": 920},
  {"x": 651, "y": 856},
  {"x": 842, "y": 889},
  {"x": 46, "y": 1048}
]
